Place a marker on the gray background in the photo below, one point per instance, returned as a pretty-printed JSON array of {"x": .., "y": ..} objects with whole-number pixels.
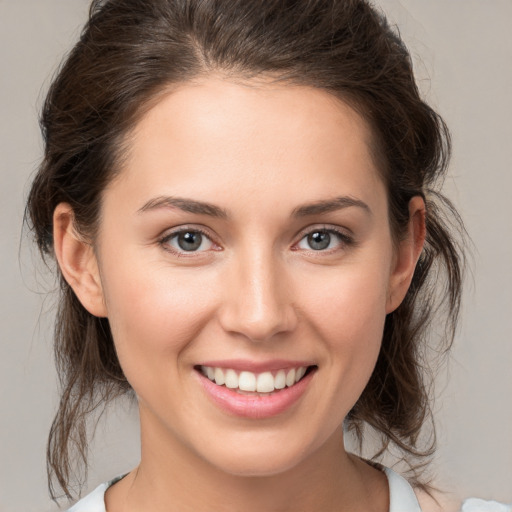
[{"x": 463, "y": 55}]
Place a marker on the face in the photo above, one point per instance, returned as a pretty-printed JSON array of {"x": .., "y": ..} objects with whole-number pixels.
[{"x": 245, "y": 241}]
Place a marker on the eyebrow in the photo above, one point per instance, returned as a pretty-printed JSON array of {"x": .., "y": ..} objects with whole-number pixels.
[
  {"x": 203, "y": 208},
  {"x": 187, "y": 205},
  {"x": 329, "y": 205}
]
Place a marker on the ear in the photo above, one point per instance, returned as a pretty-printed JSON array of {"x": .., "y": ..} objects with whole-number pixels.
[
  {"x": 407, "y": 254},
  {"x": 77, "y": 261}
]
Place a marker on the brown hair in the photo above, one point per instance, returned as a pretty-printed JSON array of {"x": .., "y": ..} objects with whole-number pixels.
[{"x": 132, "y": 50}]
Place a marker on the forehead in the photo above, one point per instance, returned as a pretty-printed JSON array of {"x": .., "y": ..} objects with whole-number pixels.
[
  {"x": 244, "y": 106},
  {"x": 252, "y": 137}
]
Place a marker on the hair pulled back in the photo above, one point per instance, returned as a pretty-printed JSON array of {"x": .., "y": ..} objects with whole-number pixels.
[{"x": 129, "y": 52}]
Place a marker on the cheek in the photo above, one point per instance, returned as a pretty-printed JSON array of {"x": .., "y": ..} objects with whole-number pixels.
[
  {"x": 153, "y": 315},
  {"x": 349, "y": 318},
  {"x": 352, "y": 305}
]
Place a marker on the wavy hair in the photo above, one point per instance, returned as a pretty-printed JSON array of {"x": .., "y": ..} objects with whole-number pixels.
[{"x": 129, "y": 52}]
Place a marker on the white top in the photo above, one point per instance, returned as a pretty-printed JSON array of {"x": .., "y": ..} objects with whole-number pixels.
[{"x": 401, "y": 497}]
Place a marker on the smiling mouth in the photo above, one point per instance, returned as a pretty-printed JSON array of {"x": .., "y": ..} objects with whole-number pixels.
[{"x": 249, "y": 383}]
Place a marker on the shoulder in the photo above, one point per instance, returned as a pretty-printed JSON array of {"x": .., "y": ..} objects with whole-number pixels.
[
  {"x": 478, "y": 505},
  {"x": 93, "y": 502},
  {"x": 439, "y": 502}
]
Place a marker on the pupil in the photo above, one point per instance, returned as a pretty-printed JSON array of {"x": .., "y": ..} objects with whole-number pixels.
[
  {"x": 319, "y": 240},
  {"x": 189, "y": 241}
]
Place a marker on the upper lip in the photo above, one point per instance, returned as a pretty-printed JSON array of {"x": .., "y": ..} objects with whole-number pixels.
[{"x": 256, "y": 366}]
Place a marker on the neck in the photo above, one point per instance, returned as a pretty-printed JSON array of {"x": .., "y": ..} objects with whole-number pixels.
[{"x": 172, "y": 477}]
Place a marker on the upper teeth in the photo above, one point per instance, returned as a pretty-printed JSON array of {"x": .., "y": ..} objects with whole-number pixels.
[{"x": 264, "y": 382}]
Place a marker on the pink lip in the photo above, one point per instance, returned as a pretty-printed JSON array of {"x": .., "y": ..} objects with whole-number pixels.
[
  {"x": 256, "y": 367},
  {"x": 252, "y": 406}
]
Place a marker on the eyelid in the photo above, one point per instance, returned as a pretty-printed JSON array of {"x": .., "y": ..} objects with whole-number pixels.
[
  {"x": 171, "y": 233},
  {"x": 345, "y": 234}
]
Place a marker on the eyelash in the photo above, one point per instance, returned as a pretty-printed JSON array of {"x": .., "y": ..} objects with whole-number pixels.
[
  {"x": 165, "y": 240},
  {"x": 344, "y": 240}
]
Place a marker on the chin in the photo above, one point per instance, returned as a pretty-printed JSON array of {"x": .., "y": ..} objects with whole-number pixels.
[
  {"x": 265, "y": 466},
  {"x": 259, "y": 458}
]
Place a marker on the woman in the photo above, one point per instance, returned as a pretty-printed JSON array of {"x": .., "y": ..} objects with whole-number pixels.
[{"x": 241, "y": 200}]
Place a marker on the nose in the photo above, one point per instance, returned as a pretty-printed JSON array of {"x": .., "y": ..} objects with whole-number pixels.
[{"x": 257, "y": 299}]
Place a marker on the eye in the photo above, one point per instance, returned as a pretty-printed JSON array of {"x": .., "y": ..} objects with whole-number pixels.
[
  {"x": 187, "y": 240},
  {"x": 323, "y": 239}
]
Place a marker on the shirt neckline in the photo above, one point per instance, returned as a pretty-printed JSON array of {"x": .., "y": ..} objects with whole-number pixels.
[{"x": 401, "y": 495}]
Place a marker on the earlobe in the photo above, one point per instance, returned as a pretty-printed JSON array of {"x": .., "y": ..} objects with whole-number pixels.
[
  {"x": 77, "y": 261},
  {"x": 407, "y": 255}
]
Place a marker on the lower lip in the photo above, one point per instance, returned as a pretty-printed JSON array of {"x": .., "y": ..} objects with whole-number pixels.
[{"x": 255, "y": 406}]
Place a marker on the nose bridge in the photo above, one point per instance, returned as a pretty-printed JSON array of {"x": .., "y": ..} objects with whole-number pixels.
[{"x": 257, "y": 304}]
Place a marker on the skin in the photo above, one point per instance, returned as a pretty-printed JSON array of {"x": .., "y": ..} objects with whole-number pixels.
[{"x": 255, "y": 290}]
